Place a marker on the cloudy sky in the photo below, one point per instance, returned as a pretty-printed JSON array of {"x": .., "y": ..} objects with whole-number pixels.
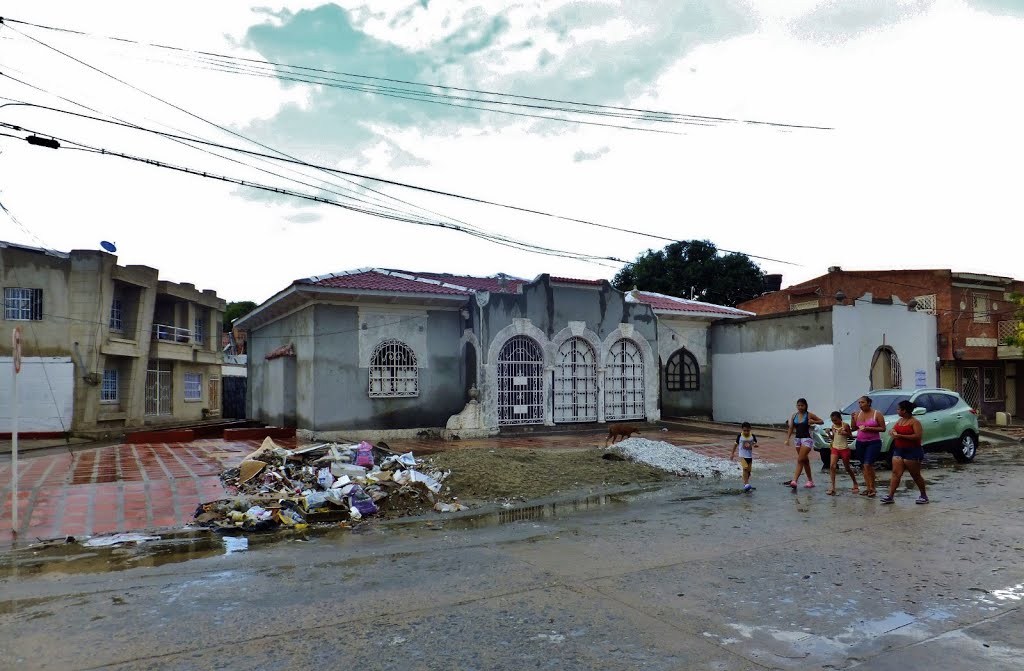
[{"x": 923, "y": 169}]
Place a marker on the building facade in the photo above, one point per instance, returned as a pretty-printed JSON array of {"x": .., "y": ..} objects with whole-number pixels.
[
  {"x": 106, "y": 347},
  {"x": 392, "y": 352},
  {"x": 974, "y": 313},
  {"x": 830, "y": 356}
]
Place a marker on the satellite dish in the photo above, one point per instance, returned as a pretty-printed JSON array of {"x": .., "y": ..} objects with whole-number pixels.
[{"x": 108, "y": 246}]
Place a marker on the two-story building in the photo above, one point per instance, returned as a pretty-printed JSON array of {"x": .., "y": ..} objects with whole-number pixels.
[
  {"x": 975, "y": 313},
  {"x": 105, "y": 347}
]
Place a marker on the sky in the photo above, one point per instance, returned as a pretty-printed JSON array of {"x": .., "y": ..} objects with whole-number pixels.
[{"x": 922, "y": 169}]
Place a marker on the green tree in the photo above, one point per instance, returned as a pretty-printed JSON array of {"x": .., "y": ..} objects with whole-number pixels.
[
  {"x": 235, "y": 310},
  {"x": 694, "y": 268}
]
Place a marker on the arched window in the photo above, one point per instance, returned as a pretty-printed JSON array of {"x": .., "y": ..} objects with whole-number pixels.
[
  {"x": 624, "y": 382},
  {"x": 393, "y": 371},
  {"x": 682, "y": 372},
  {"x": 885, "y": 369}
]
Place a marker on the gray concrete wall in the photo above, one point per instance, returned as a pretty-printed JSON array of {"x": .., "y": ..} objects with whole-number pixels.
[
  {"x": 342, "y": 401},
  {"x": 693, "y": 335},
  {"x": 266, "y": 394}
]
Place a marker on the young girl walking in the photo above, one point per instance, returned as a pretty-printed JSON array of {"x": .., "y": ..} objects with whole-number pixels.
[
  {"x": 841, "y": 434},
  {"x": 800, "y": 424}
]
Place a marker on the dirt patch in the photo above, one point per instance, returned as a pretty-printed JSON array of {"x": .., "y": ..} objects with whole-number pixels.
[{"x": 481, "y": 474}]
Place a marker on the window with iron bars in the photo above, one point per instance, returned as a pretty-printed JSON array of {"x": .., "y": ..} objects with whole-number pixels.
[
  {"x": 21, "y": 304},
  {"x": 116, "y": 315},
  {"x": 193, "y": 387},
  {"x": 926, "y": 304},
  {"x": 108, "y": 392},
  {"x": 682, "y": 372},
  {"x": 393, "y": 371},
  {"x": 993, "y": 384}
]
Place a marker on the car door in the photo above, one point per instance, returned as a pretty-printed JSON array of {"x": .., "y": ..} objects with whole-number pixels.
[
  {"x": 945, "y": 420},
  {"x": 935, "y": 422}
]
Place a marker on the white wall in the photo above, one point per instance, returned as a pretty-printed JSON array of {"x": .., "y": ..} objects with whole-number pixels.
[
  {"x": 762, "y": 387},
  {"x": 858, "y": 331},
  {"x": 37, "y": 409}
]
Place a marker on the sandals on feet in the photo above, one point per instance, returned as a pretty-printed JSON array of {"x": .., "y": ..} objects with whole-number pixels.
[
  {"x": 855, "y": 490},
  {"x": 831, "y": 492},
  {"x": 871, "y": 493}
]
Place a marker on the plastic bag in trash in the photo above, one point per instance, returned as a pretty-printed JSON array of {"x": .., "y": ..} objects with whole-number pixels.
[
  {"x": 315, "y": 500},
  {"x": 257, "y": 514},
  {"x": 432, "y": 484},
  {"x": 324, "y": 478},
  {"x": 449, "y": 507},
  {"x": 362, "y": 501},
  {"x": 364, "y": 455}
]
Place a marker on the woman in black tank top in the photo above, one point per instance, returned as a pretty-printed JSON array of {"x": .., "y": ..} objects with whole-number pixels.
[{"x": 800, "y": 423}]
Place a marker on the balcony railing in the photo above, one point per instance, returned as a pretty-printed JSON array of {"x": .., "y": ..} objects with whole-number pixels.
[
  {"x": 1008, "y": 329},
  {"x": 171, "y": 333}
]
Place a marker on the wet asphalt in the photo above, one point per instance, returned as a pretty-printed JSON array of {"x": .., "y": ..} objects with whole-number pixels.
[{"x": 692, "y": 576}]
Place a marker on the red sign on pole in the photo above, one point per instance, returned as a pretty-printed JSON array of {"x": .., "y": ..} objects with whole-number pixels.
[{"x": 16, "y": 342}]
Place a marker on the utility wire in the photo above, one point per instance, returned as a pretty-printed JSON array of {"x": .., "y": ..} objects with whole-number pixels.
[
  {"x": 655, "y": 115},
  {"x": 488, "y": 236},
  {"x": 283, "y": 155},
  {"x": 394, "y": 182}
]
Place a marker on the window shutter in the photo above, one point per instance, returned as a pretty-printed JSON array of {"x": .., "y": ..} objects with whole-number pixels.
[{"x": 37, "y": 304}]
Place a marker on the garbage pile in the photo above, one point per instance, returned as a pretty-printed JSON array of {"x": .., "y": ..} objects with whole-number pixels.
[{"x": 325, "y": 483}]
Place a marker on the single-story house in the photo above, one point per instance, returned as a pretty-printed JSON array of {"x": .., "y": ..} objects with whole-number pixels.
[{"x": 386, "y": 352}]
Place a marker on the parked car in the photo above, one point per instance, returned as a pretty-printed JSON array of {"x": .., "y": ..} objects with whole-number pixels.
[{"x": 950, "y": 423}]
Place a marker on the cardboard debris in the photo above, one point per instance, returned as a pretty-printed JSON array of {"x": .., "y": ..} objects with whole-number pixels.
[{"x": 276, "y": 487}]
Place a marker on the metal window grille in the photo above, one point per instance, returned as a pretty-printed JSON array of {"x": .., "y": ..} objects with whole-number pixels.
[
  {"x": 108, "y": 392},
  {"x": 159, "y": 388},
  {"x": 886, "y": 372},
  {"x": 926, "y": 304},
  {"x": 193, "y": 387},
  {"x": 895, "y": 371},
  {"x": 575, "y": 390},
  {"x": 116, "y": 315},
  {"x": 22, "y": 304},
  {"x": 624, "y": 382},
  {"x": 520, "y": 382},
  {"x": 970, "y": 386},
  {"x": 981, "y": 313},
  {"x": 393, "y": 371},
  {"x": 993, "y": 384},
  {"x": 682, "y": 372},
  {"x": 213, "y": 399},
  {"x": 199, "y": 331},
  {"x": 1008, "y": 329}
]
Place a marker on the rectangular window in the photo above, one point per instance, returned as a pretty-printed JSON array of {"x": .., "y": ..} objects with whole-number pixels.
[
  {"x": 23, "y": 304},
  {"x": 108, "y": 392},
  {"x": 193, "y": 387},
  {"x": 199, "y": 331},
  {"x": 981, "y": 313},
  {"x": 116, "y": 315},
  {"x": 926, "y": 304},
  {"x": 993, "y": 384}
]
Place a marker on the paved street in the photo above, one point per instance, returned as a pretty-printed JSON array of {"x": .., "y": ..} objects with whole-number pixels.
[{"x": 695, "y": 576}]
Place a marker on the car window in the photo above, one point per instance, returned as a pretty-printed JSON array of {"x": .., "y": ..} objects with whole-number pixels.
[
  {"x": 944, "y": 401},
  {"x": 930, "y": 402},
  {"x": 884, "y": 404}
]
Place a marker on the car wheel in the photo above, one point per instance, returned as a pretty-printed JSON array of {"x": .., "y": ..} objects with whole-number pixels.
[{"x": 966, "y": 449}]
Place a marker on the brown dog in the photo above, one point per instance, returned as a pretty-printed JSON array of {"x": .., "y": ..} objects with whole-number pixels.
[{"x": 620, "y": 431}]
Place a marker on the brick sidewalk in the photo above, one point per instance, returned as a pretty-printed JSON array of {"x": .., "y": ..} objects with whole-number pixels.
[
  {"x": 116, "y": 488},
  {"x": 155, "y": 486}
]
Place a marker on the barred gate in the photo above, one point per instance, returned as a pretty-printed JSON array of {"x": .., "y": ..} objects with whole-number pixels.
[
  {"x": 520, "y": 382},
  {"x": 970, "y": 386},
  {"x": 576, "y": 382},
  {"x": 624, "y": 382},
  {"x": 158, "y": 388}
]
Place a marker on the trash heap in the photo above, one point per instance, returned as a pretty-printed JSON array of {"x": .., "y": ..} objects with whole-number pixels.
[{"x": 326, "y": 483}]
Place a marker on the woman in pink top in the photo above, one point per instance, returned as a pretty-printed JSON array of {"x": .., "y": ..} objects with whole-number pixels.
[{"x": 870, "y": 426}]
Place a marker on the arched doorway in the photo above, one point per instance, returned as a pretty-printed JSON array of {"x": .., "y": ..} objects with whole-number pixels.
[
  {"x": 520, "y": 382},
  {"x": 575, "y": 382},
  {"x": 885, "y": 369},
  {"x": 624, "y": 382}
]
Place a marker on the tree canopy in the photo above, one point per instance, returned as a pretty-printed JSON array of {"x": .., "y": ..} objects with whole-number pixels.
[
  {"x": 235, "y": 310},
  {"x": 694, "y": 269}
]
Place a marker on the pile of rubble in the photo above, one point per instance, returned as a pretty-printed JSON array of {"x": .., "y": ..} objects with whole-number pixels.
[
  {"x": 325, "y": 483},
  {"x": 678, "y": 460}
]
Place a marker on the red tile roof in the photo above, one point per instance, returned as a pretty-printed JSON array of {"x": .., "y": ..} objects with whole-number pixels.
[
  {"x": 400, "y": 281},
  {"x": 663, "y": 303}
]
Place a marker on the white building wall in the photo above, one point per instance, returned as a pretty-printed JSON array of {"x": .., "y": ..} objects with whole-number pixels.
[
  {"x": 45, "y": 394},
  {"x": 859, "y": 331},
  {"x": 762, "y": 387}
]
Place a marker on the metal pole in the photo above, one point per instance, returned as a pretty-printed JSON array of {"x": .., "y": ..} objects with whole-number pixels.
[{"x": 14, "y": 452}]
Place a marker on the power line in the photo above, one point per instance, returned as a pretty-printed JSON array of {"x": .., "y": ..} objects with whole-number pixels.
[
  {"x": 283, "y": 155},
  {"x": 395, "y": 182},
  {"x": 504, "y": 98},
  {"x": 490, "y": 237}
]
